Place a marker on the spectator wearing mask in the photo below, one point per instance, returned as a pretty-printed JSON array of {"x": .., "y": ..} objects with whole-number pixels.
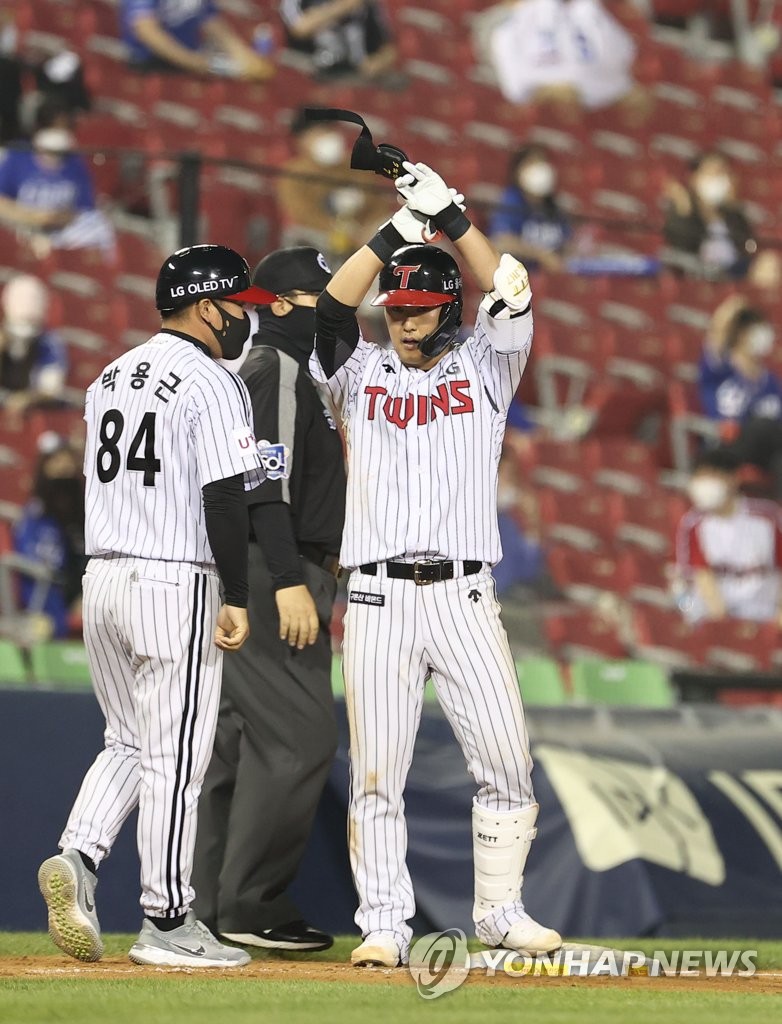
[
  {"x": 342, "y": 37},
  {"x": 33, "y": 361},
  {"x": 328, "y": 211},
  {"x": 706, "y": 227},
  {"x": 567, "y": 51},
  {"x": 741, "y": 387},
  {"x": 187, "y": 36},
  {"x": 728, "y": 547},
  {"x": 51, "y": 533},
  {"x": 529, "y": 222},
  {"x": 48, "y": 189}
]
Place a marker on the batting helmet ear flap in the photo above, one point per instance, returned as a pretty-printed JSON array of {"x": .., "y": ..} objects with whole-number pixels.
[{"x": 446, "y": 332}]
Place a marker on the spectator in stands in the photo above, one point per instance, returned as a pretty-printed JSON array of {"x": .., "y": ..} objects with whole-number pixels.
[
  {"x": 707, "y": 228},
  {"x": 169, "y": 36},
  {"x": 728, "y": 547},
  {"x": 51, "y": 533},
  {"x": 328, "y": 211},
  {"x": 59, "y": 78},
  {"x": 523, "y": 560},
  {"x": 529, "y": 223},
  {"x": 566, "y": 51},
  {"x": 33, "y": 362},
  {"x": 738, "y": 386},
  {"x": 47, "y": 188},
  {"x": 342, "y": 37}
]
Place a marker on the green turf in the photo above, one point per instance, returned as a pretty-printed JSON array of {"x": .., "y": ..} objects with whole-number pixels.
[
  {"x": 195, "y": 1001},
  {"x": 177, "y": 998}
]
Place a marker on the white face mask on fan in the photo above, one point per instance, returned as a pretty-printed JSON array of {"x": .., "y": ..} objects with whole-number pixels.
[
  {"x": 761, "y": 340},
  {"x": 714, "y": 190},
  {"x": 328, "y": 149},
  {"x": 538, "y": 179},
  {"x": 708, "y": 493}
]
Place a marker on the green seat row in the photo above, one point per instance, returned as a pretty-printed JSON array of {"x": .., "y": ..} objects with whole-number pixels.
[
  {"x": 619, "y": 683},
  {"x": 592, "y": 681},
  {"x": 59, "y": 664},
  {"x": 63, "y": 665}
]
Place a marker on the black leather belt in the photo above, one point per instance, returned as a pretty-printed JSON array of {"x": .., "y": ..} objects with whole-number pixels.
[
  {"x": 322, "y": 559},
  {"x": 423, "y": 572}
]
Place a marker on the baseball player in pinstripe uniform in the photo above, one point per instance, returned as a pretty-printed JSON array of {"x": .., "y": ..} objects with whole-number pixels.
[
  {"x": 170, "y": 449},
  {"x": 424, "y": 425}
]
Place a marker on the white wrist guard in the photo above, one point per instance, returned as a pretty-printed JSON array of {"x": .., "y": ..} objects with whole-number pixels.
[{"x": 511, "y": 294}]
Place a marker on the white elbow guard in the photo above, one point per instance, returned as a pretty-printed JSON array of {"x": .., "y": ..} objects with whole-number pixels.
[{"x": 511, "y": 294}]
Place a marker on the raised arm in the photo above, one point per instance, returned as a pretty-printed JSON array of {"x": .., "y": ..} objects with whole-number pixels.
[{"x": 503, "y": 278}]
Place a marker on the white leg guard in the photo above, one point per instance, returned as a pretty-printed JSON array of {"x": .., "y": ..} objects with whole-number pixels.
[{"x": 501, "y": 842}]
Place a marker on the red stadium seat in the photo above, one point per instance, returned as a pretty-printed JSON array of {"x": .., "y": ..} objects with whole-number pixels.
[
  {"x": 663, "y": 635},
  {"x": 621, "y": 463},
  {"x": 581, "y": 518},
  {"x": 647, "y": 520},
  {"x": 562, "y": 456},
  {"x": 740, "y": 645},
  {"x": 645, "y": 577},
  {"x": 68, "y": 423},
  {"x": 586, "y": 575},
  {"x": 619, "y": 405},
  {"x": 16, "y": 484},
  {"x": 581, "y": 631},
  {"x": 18, "y": 440}
]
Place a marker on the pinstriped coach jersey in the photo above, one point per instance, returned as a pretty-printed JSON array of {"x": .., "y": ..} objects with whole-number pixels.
[
  {"x": 424, "y": 446},
  {"x": 163, "y": 420}
]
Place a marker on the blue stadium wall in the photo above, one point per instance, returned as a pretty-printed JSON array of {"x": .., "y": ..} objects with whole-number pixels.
[{"x": 652, "y": 823}]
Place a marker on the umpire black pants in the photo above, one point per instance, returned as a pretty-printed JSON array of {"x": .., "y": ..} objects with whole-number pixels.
[{"x": 276, "y": 738}]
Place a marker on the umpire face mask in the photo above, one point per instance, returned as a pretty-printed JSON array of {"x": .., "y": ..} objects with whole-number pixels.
[
  {"x": 297, "y": 327},
  {"x": 232, "y": 334}
]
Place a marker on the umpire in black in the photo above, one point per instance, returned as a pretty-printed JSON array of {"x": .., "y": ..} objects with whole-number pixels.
[{"x": 276, "y": 732}]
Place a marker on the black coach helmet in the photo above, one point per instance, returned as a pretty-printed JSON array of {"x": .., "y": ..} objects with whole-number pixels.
[
  {"x": 423, "y": 275},
  {"x": 206, "y": 272}
]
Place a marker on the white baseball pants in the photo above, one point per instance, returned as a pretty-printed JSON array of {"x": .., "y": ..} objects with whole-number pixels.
[
  {"x": 397, "y": 634},
  {"x": 149, "y": 627}
]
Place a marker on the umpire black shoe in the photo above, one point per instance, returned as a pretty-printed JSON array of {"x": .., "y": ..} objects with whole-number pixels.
[{"x": 297, "y": 935}]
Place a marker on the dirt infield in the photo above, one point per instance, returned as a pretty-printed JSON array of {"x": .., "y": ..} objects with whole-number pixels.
[{"x": 117, "y": 967}]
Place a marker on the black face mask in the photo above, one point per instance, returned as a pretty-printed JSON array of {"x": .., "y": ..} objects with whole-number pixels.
[
  {"x": 297, "y": 328},
  {"x": 233, "y": 334}
]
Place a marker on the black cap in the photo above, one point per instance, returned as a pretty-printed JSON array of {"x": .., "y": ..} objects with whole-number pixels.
[
  {"x": 301, "y": 268},
  {"x": 206, "y": 272},
  {"x": 721, "y": 460}
]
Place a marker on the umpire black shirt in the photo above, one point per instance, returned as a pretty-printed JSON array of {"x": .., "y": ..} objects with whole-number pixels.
[{"x": 302, "y": 500}]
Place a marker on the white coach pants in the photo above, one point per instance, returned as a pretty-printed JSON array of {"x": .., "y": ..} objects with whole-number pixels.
[
  {"x": 149, "y": 627},
  {"x": 396, "y": 634}
]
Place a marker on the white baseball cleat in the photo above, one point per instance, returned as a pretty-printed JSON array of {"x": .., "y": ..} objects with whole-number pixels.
[
  {"x": 69, "y": 890},
  {"x": 379, "y": 949},
  {"x": 527, "y": 936}
]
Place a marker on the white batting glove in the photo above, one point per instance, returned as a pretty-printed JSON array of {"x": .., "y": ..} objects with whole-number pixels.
[
  {"x": 511, "y": 294},
  {"x": 416, "y": 228},
  {"x": 424, "y": 189}
]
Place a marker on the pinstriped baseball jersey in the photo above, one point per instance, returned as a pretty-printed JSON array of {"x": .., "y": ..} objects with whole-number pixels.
[
  {"x": 424, "y": 446},
  {"x": 163, "y": 420}
]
